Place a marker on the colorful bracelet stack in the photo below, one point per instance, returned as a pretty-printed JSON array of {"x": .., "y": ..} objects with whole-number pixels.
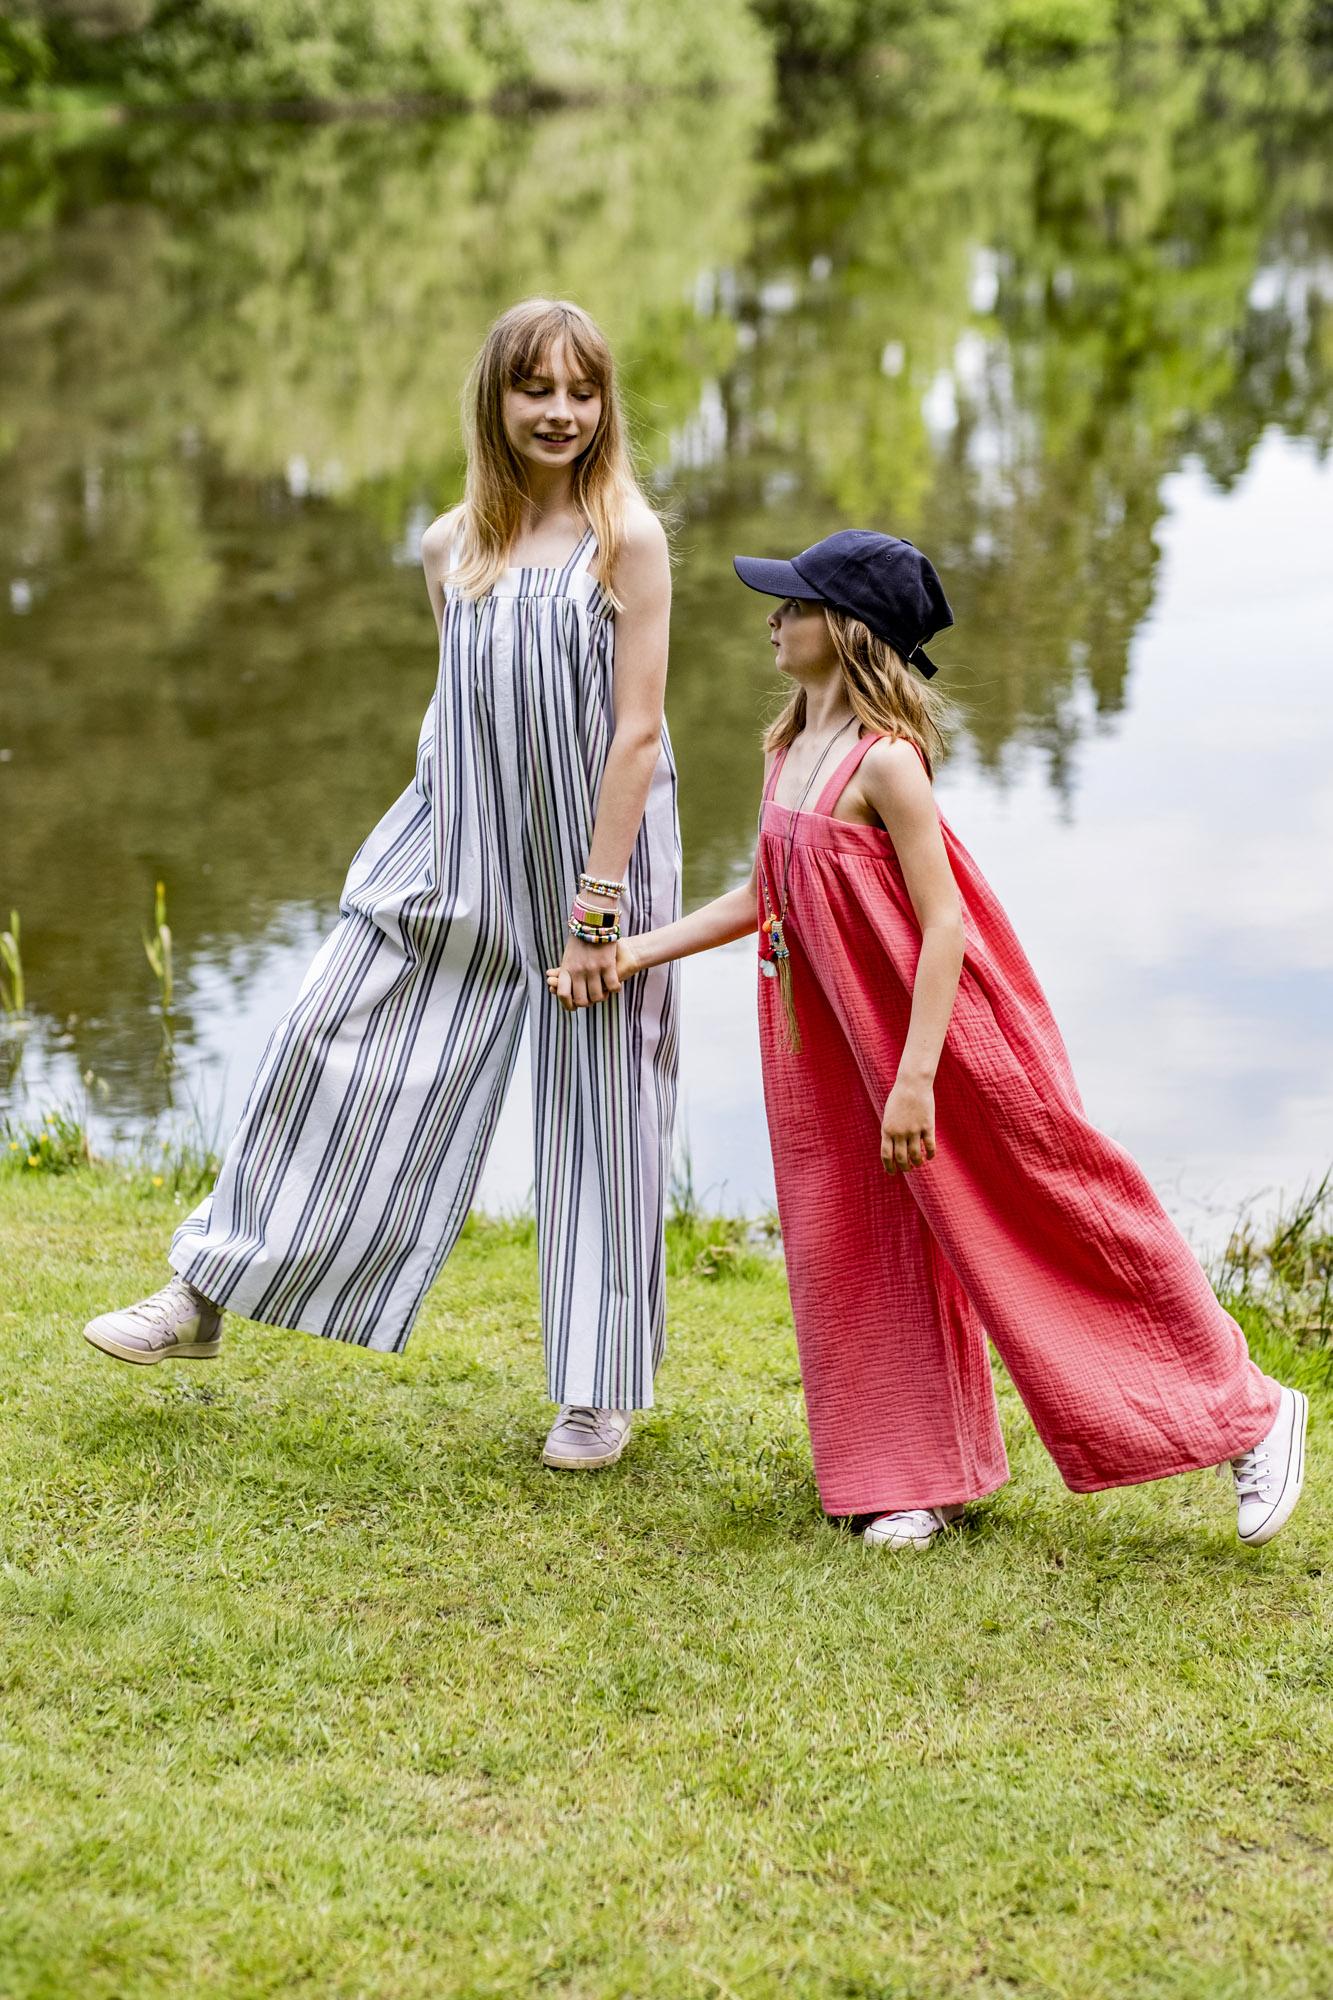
[{"x": 586, "y": 921}]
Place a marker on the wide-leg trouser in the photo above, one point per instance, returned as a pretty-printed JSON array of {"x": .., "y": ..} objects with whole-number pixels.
[
  {"x": 368, "y": 1123},
  {"x": 894, "y": 1360},
  {"x": 1046, "y": 1236}
]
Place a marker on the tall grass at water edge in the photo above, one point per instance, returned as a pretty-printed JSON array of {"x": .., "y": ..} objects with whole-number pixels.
[{"x": 1277, "y": 1273}]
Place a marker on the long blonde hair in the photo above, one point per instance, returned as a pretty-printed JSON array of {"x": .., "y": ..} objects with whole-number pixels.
[
  {"x": 496, "y": 491},
  {"x": 881, "y": 688}
]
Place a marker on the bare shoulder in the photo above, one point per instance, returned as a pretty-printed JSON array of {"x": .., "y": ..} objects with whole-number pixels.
[
  {"x": 643, "y": 560},
  {"x": 436, "y": 539},
  {"x": 894, "y": 778},
  {"x": 643, "y": 527}
]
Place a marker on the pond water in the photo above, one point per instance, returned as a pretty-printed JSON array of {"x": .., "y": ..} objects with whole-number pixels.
[{"x": 1071, "y": 335}]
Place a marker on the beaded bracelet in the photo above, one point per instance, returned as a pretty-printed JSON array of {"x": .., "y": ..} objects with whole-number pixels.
[
  {"x": 593, "y": 887},
  {"x": 591, "y": 936}
]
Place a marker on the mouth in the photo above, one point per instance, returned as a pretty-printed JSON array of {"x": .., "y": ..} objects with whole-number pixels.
[{"x": 548, "y": 437}]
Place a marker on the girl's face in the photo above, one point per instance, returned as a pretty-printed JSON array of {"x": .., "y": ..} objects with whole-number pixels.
[
  {"x": 802, "y": 644},
  {"x": 551, "y": 417}
]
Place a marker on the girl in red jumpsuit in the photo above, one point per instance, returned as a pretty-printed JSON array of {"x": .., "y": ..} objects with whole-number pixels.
[{"x": 937, "y": 1179}]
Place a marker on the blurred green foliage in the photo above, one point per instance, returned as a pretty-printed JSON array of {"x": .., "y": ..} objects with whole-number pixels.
[
  {"x": 239, "y": 51},
  {"x": 333, "y": 51}
]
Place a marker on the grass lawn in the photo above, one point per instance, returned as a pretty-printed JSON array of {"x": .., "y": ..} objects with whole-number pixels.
[{"x": 315, "y": 1683}]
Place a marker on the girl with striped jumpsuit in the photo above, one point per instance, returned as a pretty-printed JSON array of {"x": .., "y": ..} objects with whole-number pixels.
[
  {"x": 541, "y": 821},
  {"x": 937, "y": 1179}
]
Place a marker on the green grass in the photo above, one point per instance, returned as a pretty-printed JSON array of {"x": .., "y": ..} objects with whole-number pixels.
[{"x": 316, "y": 1684}]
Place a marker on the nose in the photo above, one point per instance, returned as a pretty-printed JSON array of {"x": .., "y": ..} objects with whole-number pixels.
[
  {"x": 557, "y": 410},
  {"x": 774, "y": 620}
]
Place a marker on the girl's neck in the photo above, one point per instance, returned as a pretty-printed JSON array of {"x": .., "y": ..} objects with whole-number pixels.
[
  {"x": 550, "y": 495},
  {"x": 826, "y": 707}
]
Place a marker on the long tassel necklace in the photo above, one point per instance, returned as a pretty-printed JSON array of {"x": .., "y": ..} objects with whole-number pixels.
[{"x": 778, "y": 962}]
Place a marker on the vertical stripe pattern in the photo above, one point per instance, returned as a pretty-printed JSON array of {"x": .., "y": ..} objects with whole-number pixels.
[{"x": 369, "y": 1118}]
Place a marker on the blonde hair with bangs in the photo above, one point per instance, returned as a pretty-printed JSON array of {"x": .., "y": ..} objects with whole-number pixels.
[
  {"x": 493, "y": 501},
  {"x": 882, "y": 691}
]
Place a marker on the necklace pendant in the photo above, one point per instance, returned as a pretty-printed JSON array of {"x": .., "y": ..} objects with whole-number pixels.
[{"x": 772, "y": 930}]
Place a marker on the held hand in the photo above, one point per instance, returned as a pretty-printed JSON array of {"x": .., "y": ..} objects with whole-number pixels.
[
  {"x": 560, "y": 983},
  {"x": 585, "y": 975},
  {"x": 907, "y": 1129}
]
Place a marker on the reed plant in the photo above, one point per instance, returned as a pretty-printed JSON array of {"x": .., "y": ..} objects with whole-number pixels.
[
  {"x": 13, "y": 987},
  {"x": 706, "y": 1242},
  {"x": 1286, "y": 1267},
  {"x": 158, "y": 949}
]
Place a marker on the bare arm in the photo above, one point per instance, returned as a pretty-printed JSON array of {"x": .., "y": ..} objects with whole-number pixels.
[
  {"x": 588, "y": 972},
  {"x": 719, "y": 922},
  {"x": 733, "y": 915},
  {"x": 638, "y": 687},
  {"x": 897, "y": 787}
]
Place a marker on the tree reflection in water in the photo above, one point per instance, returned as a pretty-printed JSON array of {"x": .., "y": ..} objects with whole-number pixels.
[{"x": 990, "y": 314}]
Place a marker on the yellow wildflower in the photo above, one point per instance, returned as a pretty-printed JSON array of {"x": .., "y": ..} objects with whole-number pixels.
[{"x": 157, "y": 1180}]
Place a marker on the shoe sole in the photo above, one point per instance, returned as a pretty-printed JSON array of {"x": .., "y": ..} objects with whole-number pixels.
[
  {"x": 553, "y": 1458},
  {"x": 1295, "y": 1481},
  {"x": 197, "y": 1350}
]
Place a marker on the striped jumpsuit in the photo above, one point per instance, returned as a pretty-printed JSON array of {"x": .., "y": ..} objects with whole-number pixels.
[{"x": 368, "y": 1121}]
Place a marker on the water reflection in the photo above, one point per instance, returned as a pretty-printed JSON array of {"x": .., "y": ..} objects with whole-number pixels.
[{"x": 996, "y": 316}]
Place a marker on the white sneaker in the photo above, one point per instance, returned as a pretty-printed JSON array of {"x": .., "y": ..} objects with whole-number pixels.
[
  {"x": 584, "y": 1440},
  {"x": 175, "y": 1324},
  {"x": 916, "y": 1528},
  {"x": 1269, "y": 1476}
]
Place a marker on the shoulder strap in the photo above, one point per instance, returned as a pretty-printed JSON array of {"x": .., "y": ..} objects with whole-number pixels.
[
  {"x": 582, "y": 556},
  {"x": 828, "y": 798}
]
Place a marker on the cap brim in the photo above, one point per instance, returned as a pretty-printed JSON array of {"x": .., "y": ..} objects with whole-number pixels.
[{"x": 774, "y": 579}]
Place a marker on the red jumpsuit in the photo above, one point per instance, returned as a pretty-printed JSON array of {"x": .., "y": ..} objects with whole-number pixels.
[{"x": 1029, "y": 1225}]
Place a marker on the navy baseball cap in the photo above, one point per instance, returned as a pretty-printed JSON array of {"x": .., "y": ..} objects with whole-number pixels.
[{"x": 886, "y": 583}]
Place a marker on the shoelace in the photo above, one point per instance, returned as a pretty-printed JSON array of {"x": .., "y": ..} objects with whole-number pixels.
[
  {"x": 917, "y": 1520},
  {"x": 157, "y": 1311},
  {"x": 161, "y": 1313},
  {"x": 1251, "y": 1474},
  {"x": 580, "y": 1417}
]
